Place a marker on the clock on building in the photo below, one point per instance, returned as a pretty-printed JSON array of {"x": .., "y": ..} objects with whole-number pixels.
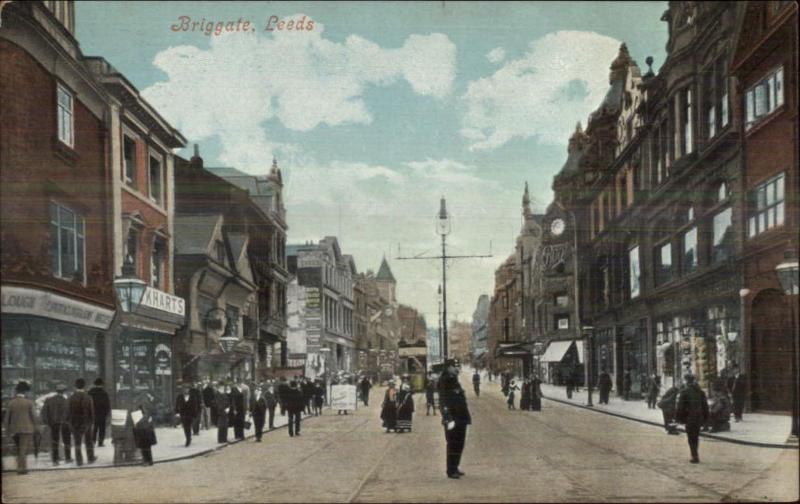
[{"x": 557, "y": 227}]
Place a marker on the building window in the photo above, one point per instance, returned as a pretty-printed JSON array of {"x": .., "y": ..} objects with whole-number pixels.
[
  {"x": 767, "y": 207},
  {"x": 722, "y": 240},
  {"x": 157, "y": 266},
  {"x": 156, "y": 185},
  {"x": 606, "y": 291},
  {"x": 686, "y": 117},
  {"x": 232, "y": 325},
  {"x": 65, "y": 119},
  {"x": 219, "y": 251},
  {"x": 561, "y": 300},
  {"x": 716, "y": 95},
  {"x": 204, "y": 305},
  {"x": 634, "y": 272},
  {"x": 689, "y": 262},
  {"x": 562, "y": 322},
  {"x": 764, "y": 97},
  {"x": 132, "y": 248},
  {"x": 67, "y": 243},
  {"x": 722, "y": 192},
  {"x": 663, "y": 263},
  {"x": 129, "y": 159}
]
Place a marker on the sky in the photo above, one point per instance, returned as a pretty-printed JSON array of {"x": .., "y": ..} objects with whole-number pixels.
[{"x": 377, "y": 110}]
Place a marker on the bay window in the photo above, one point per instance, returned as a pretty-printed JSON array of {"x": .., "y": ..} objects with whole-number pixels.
[{"x": 764, "y": 97}]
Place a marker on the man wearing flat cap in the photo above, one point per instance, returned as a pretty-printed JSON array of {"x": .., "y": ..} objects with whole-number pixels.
[
  {"x": 54, "y": 415},
  {"x": 455, "y": 417}
]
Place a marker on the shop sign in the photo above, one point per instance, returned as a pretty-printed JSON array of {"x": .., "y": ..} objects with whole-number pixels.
[
  {"x": 45, "y": 304},
  {"x": 159, "y": 300},
  {"x": 163, "y": 359}
]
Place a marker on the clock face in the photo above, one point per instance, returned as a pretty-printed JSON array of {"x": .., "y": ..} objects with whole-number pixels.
[{"x": 557, "y": 227}]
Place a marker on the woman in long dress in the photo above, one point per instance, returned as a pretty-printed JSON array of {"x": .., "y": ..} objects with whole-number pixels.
[
  {"x": 405, "y": 408},
  {"x": 389, "y": 409},
  {"x": 525, "y": 396},
  {"x": 511, "y": 388}
]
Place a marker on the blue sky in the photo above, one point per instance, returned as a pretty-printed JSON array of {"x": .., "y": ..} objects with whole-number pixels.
[{"x": 382, "y": 108}]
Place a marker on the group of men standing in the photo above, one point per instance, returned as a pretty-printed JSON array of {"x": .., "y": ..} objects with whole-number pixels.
[{"x": 80, "y": 417}]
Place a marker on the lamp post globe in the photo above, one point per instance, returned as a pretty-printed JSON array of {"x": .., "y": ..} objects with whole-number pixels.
[{"x": 129, "y": 289}]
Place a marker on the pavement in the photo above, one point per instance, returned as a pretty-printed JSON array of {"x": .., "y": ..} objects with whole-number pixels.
[
  {"x": 755, "y": 428},
  {"x": 562, "y": 454},
  {"x": 170, "y": 447}
]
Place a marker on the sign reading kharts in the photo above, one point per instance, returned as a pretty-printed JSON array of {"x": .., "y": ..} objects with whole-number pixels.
[{"x": 159, "y": 300}]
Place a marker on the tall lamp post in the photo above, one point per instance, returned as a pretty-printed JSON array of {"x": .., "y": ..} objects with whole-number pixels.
[
  {"x": 443, "y": 228},
  {"x": 787, "y": 272}
]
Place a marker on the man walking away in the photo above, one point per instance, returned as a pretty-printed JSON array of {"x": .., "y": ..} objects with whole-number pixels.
[
  {"x": 667, "y": 404},
  {"x": 21, "y": 425},
  {"x": 258, "y": 409},
  {"x": 692, "y": 412},
  {"x": 80, "y": 412},
  {"x": 102, "y": 408},
  {"x": 54, "y": 415},
  {"x": 282, "y": 390},
  {"x": 430, "y": 390},
  {"x": 237, "y": 412},
  {"x": 653, "y": 387},
  {"x": 319, "y": 397},
  {"x": 476, "y": 383},
  {"x": 365, "y": 387},
  {"x": 604, "y": 384},
  {"x": 294, "y": 405},
  {"x": 455, "y": 417},
  {"x": 626, "y": 385},
  {"x": 569, "y": 380},
  {"x": 738, "y": 387},
  {"x": 222, "y": 405},
  {"x": 184, "y": 406}
]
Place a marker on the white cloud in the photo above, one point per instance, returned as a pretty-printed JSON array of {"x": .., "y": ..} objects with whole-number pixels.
[
  {"x": 562, "y": 77},
  {"x": 496, "y": 55},
  {"x": 300, "y": 79}
]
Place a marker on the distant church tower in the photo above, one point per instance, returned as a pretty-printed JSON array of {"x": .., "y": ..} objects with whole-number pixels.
[{"x": 386, "y": 282}]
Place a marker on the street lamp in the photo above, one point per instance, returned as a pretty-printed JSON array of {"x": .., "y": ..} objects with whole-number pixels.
[
  {"x": 227, "y": 341},
  {"x": 129, "y": 288},
  {"x": 588, "y": 365},
  {"x": 787, "y": 272},
  {"x": 443, "y": 227}
]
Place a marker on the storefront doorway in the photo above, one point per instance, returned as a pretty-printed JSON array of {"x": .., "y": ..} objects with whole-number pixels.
[{"x": 771, "y": 355}]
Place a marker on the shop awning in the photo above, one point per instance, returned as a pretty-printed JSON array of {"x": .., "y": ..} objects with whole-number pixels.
[
  {"x": 579, "y": 344},
  {"x": 556, "y": 351}
]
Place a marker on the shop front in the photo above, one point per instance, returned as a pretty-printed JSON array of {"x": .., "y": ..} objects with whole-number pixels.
[
  {"x": 143, "y": 354},
  {"x": 563, "y": 359},
  {"x": 47, "y": 337},
  {"x": 635, "y": 356}
]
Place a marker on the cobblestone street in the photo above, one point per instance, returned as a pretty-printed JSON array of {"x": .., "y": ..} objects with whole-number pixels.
[{"x": 562, "y": 453}]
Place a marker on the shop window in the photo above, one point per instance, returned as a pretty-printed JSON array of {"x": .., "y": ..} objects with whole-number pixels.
[
  {"x": 722, "y": 239},
  {"x": 663, "y": 259},
  {"x": 764, "y": 97},
  {"x": 67, "y": 243},
  {"x": 65, "y": 116},
  {"x": 156, "y": 181},
  {"x": 129, "y": 160},
  {"x": 766, "y": 206},
  {"x": 634, "y": 272},
  {"x": 689, "y": 262}
]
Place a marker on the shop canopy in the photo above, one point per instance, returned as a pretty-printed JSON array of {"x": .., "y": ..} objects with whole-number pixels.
[{"x": 558, "y": 349}]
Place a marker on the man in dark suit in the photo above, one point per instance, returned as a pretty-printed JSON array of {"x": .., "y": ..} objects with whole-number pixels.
[
  {"x": 365, "y": 386},
  {"x": 258, "y": 408},
  {"x": 476, "y": 382},
  {"x": 102, "y": 408},
  {"x": 237, "y": 412},
  {"x": 455, "y": 417},
  {"x": 282, "y": 388},
  {"x": 197, "y": 401},
  {"x": 737, "y": 384},
  {"x": 186, "y": 407},
  {"x": 272, "y": 401},
  {"x": 80, "y": 412},
  {"x": 222, "y": 404},
  {"x": 20, "y": 424},
  {"x": 604, "y": 384},
  {"x": 54, "y": 415},
  {"x": 294, "y": 405},
  {"x": 692, "y": 411},
  {"x": 209, "y": 412}
]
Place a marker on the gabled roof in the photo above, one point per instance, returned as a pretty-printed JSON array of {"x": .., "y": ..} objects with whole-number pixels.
[
  {"x": 193, "y": 233},
  {"x": 385, "y": 272}
]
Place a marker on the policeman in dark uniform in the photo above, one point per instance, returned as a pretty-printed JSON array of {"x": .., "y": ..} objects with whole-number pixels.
[{"x": 455, "y": 417}]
